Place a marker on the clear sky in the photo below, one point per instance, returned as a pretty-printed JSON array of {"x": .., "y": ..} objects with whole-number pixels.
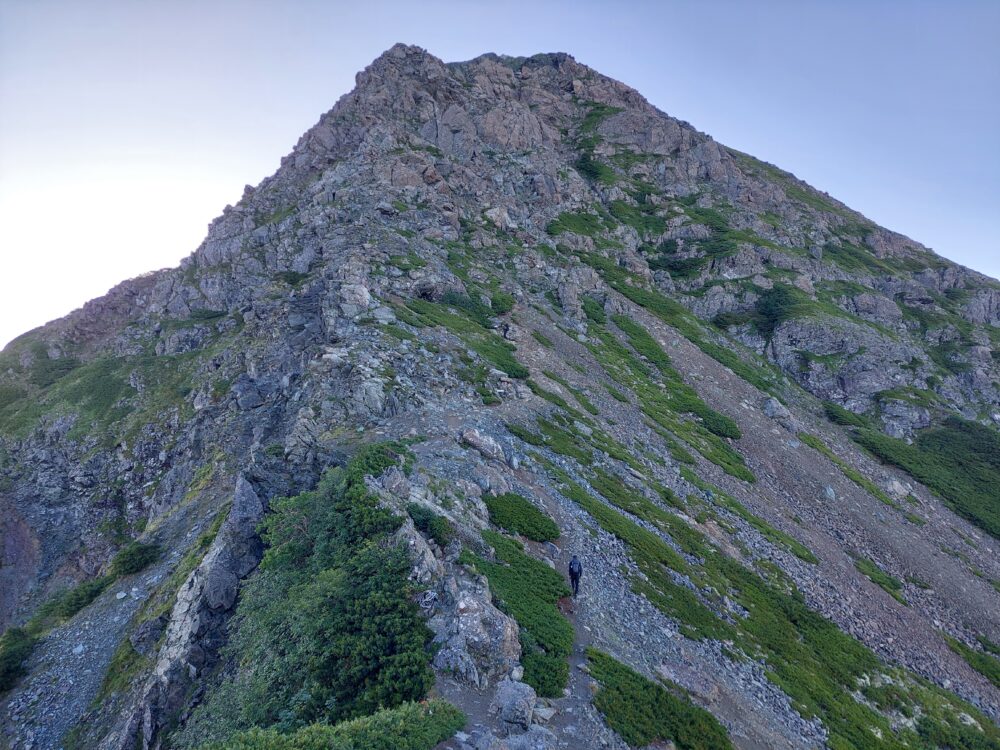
[{"x": 126, "y": 126}]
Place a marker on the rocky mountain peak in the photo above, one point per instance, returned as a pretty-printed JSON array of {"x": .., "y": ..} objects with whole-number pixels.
[{"x": 486, "y": 316}]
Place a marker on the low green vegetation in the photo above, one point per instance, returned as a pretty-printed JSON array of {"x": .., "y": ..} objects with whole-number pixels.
[
  {"x": 663, "y": 396},
  {"x": 676, "y": 315},
  {"x": 643, "y": 712},
  {"x": 594, "y": 169},
  {"x": 576, "y": 223},
  {"x": 653, "y": 557},
  {"x": 409, "y": 262},
  {"x": 643, "y": 217},
  {"x": 133, "y": 557},
  {"x": 542, "y": 339},
  {"x": 126, "y": 662},
  {"x": 773, "y": 535},
  {"x": 16, "y": 645},
  {"x": 988, "y": 646},
  {"x": 277, "y": 216},
  {"x": 909, "y": 395},
  {"x": 469, "y": 320},
  {"x": 684, "y": 397},
  {"x": 436, "y": 526},
  {"x": 99, "y": 394},
  {"x": 528, "y": 590},
  {"x": 597, "y": 112},
  {"x": 722, "y": 241},
  {"x": 517, "y": 515},
  {"x": 815, "y": 663},
  {"x": 568, "y": 436},
  {"x": 66, "y": 603},
  {"x": 847, "y": 470},
  {"x": 45, "y": 371},
  {"x": 474, "y": 309},
  {"x": 988, "y": 666},
  {"x": 327, "y": 630},
  {"x": 410, "y": 726},
  {"x": 892, "y": 586},
  {"x": 587, "y": 164},
  {"x": 594, "y": 310},
  {"x": 780, "y": 303},
  {"x": 839, "y": 415},
  {"x": 579, "y": 395},
  {"x": 959, "y": 460},
  {"x": 552, "y": 398},
  {"x": 850, "y": 257},
  {"x": 294, "y": 279}
]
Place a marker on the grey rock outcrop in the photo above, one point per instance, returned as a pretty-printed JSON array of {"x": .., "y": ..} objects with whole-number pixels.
[{"x": 195, "y": 630}]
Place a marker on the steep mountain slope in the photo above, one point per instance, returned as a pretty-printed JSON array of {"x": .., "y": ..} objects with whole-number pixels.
[{"x": 526, "y": 315}]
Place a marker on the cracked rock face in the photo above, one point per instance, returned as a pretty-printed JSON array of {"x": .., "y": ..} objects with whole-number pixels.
[{"x": 194, "y": 631}]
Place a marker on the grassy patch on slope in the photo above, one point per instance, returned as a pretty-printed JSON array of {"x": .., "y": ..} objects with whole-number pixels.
[
  {"x": 959, "y": 461},
  {"x": 892, "y": 586},
  {"x": 469, "y": 321},
  {"x": 985, "y": 664},
  {"x": 16, "y": 645},
  {"x": 664, "y": 402},
  {"x": 517, "y": 515},
  {"x": 411, "y": 726},
  {"x": 847, "y": 470},
  {"x": 676, "y": 315},
  {"x": 644, "y": 712}
]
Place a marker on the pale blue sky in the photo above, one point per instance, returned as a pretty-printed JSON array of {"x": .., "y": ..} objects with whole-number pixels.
[{"x": 125, "y": 127}]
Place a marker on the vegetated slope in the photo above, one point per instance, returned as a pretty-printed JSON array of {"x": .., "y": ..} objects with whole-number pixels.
[{"x": 485, "y": 316}]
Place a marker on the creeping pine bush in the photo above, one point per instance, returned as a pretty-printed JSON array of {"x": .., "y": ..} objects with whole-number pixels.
[
  {"x": 411, "y": 726},
  {"x": 502, "y": 302},
  {"x": 959, "y": 460},
  {"x": 593, "y": 309},
  {"x": 518, "y": 515},
  {"x": 780, "y": 303},
  {"x": 133, "y": 557},
  {"x": 428, "y": 522},
  {"x": 68, "y": 602},
  {"x": 839, "y": 415},
  {"x": 986, "y": 665},
  {"x": 15, "y": 648},
  {"x": 327, "y": 630},
  {"x": 643, "y": 712}
]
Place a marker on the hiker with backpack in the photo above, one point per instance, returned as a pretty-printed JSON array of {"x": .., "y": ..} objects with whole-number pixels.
[{"x": 575, "y": 571}]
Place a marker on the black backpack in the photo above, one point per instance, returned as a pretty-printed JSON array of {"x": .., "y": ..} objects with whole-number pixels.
[{"x": 575, "y": 568}]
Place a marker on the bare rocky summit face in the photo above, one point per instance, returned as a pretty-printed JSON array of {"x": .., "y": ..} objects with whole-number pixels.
[{"x": 677, "y": 352}]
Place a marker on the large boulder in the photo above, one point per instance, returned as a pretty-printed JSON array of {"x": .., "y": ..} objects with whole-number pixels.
[{"x": 514, "y": 704}]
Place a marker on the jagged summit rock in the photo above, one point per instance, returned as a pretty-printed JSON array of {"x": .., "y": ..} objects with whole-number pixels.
[{"x": 579, "y": 326}]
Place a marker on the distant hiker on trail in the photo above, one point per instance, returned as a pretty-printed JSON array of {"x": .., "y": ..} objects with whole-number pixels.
[{"x": 575, "y": 571}]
